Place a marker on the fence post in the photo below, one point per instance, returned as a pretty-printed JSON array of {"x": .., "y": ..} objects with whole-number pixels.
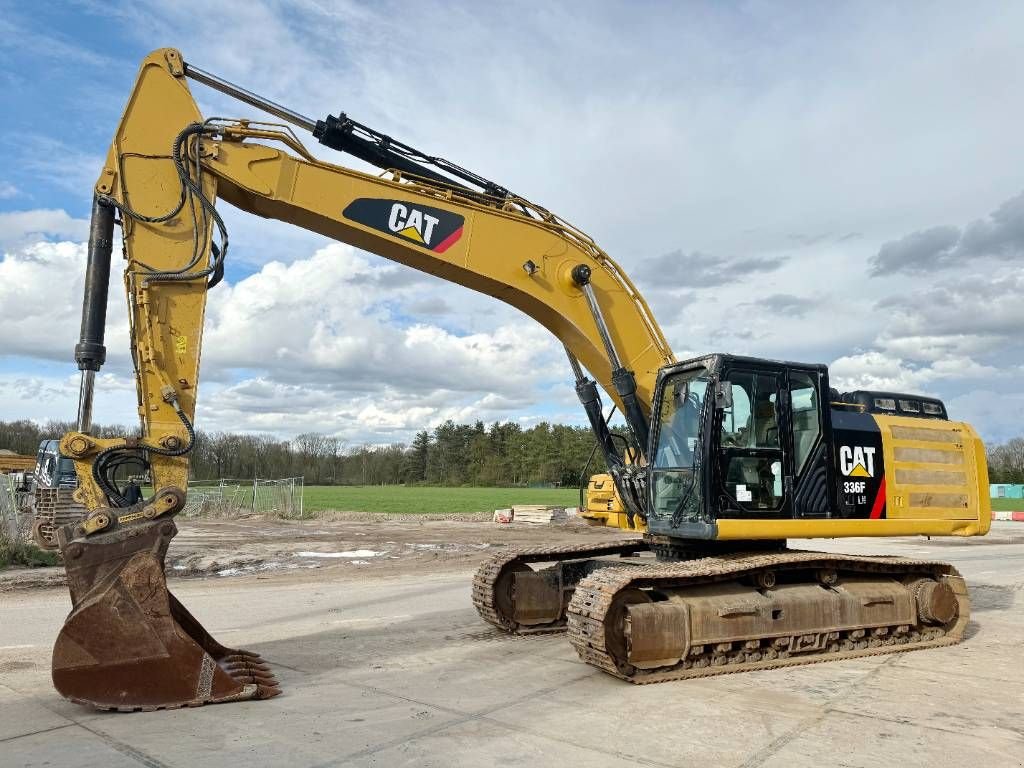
[{"x": 9, "y": 510}]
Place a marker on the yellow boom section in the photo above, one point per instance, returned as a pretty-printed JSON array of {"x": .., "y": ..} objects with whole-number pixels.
[{"x": 507, "y": 248}]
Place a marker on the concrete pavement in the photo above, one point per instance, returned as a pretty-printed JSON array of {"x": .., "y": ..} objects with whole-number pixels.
[{"x": 400, "y": 671}]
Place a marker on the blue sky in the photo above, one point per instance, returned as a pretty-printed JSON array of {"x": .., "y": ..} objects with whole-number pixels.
[{"x": 834, "y": 184}]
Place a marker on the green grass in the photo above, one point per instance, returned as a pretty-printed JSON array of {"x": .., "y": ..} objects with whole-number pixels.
[
  {"x": 429, "y": 500},
  {"x": 1008, "y": 505},
  {"x": 24, "y": 553}
]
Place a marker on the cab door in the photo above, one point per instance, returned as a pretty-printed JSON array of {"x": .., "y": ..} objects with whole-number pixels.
[
  {"x": 809, "y": 433},
  {"x": 753, "y": 444}
]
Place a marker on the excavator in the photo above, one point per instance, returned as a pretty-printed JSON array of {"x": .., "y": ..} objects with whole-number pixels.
[{"x": 722, "y": 461}]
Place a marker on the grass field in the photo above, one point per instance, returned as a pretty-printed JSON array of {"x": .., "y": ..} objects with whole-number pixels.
[
  {"x": 429, "y": 500},
  {"x": 1008, "y": 505}
]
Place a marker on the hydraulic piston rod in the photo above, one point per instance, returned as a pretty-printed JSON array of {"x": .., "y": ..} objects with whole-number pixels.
[
  {"x": 250, "y": 98},
  {"x": 622, "y": 378},
  {"x": 90, "y": 353}
]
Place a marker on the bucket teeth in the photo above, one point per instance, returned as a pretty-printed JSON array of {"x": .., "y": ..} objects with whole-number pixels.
[
  {"x": 242, "y": 662},
  {"x": 263, "y": 682},
  {"x": 241, "y": 672},
  {"x": 266, "y": 691},
  {"x": 129, "y": 644},
  {"x": 242, "y": 656}
]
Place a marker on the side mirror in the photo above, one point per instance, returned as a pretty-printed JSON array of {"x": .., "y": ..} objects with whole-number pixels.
[{"x": 723, "y": 395}]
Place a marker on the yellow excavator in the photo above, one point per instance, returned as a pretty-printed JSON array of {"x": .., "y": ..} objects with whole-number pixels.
[{"x": 723, "y": 458}]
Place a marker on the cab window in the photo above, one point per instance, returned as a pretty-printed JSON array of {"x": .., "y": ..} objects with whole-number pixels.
[
  {"x": 753, "y": 420},
  {"x": 679, "y": 422},
  {"x": 676, "y": 460},
  {"x": 806, "y": 410},
  {"x": 751, "y": 448}
]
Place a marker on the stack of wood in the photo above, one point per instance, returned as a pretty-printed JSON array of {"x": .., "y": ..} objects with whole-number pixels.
[
  {"x": 531, "y": 514},
  {"x": 12, "y": 462}
]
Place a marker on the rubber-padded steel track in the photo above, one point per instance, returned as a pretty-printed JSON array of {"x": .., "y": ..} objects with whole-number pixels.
[
  {"x": 595, "y": 595},
  {"x": 489, "y": 576}
]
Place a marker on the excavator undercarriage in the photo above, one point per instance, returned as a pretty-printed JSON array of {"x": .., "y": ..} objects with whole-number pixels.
[{"x": 647, "y": 621}]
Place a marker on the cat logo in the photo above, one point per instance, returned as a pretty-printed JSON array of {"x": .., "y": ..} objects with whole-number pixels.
[
  {"x": 413, "y": 224},
  {"x": 426, "y": 226},
  {"x": 857, "y": 461}
]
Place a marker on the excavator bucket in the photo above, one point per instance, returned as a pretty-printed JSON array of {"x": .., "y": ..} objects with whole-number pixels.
[{"x": 128, "y": 644}]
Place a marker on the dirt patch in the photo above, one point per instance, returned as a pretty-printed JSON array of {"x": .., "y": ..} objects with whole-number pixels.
[{"x": 355, "y": 544}]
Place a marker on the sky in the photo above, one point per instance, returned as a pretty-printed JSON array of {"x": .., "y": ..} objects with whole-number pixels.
[{"x": 831, "y": 183}]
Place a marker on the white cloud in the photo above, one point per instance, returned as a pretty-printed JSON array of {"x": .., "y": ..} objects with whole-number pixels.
[
  {"x": 44, "y": 397},
  {"x": 23, "y": 227},
  {"x": 8, "y": 190},
  {"x": 879, "y": 371},
  {"x": 311, "y": 345},
  {"x": 41, "y": 287},
  {"x": 388, "y": 415},
  {"x": 326, "y": 319}
]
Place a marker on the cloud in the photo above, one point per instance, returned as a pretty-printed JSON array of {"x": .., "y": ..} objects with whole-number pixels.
[
  {"x": 999, "y": 236},
  {"x": 678, "y": 270},
  {"x": 57, "y": 162},
  {"x": 928, "y": 249},
  {"x": 29, "y": 40},
  {"x": 876, "y": 370},
  {"x": 387, "y": 415},
  {"x": 435, "y": 306},
  {"x": 325, "y": 319},
  {"x": 45, "y": 396},
  {"x": 7, "y": 191},
  {"x": 21, "y": 227},
  {"x": 977, "y": 306},
  {"x": 786, "y": 304},
  {"x": 41, "y": 287},
  {"x": 311, "y": 345},
  {"x": 689, "y": 130}
]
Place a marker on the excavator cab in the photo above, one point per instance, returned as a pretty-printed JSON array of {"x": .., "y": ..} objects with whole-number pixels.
[
  {"x": 744, "y": 448},
  {"x": 738, "y": 437}
]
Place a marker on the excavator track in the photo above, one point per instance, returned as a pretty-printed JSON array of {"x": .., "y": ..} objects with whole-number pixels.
[
  {"x": 664, "y": 622},
  {"x": 496, "y": 582}
]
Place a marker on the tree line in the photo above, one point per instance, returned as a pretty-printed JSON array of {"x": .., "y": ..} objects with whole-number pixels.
[
  {"x": 1006, "y": 461},
  {"x": 450, "y": 454},
  {"x": 501, "y": 454}
]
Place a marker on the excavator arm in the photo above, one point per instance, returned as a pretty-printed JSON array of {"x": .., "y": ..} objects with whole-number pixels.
[
  {"x": 128, "y": 643},
  {"x": 165, "y": 159}
]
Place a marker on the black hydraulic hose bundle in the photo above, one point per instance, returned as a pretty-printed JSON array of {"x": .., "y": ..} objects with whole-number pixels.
[
  {"x": 90, "y": 352},
  {"x": 191, "y": 191}
]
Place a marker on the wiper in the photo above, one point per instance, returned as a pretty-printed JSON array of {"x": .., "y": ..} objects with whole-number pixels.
[{"x": 677, "y": 512}]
